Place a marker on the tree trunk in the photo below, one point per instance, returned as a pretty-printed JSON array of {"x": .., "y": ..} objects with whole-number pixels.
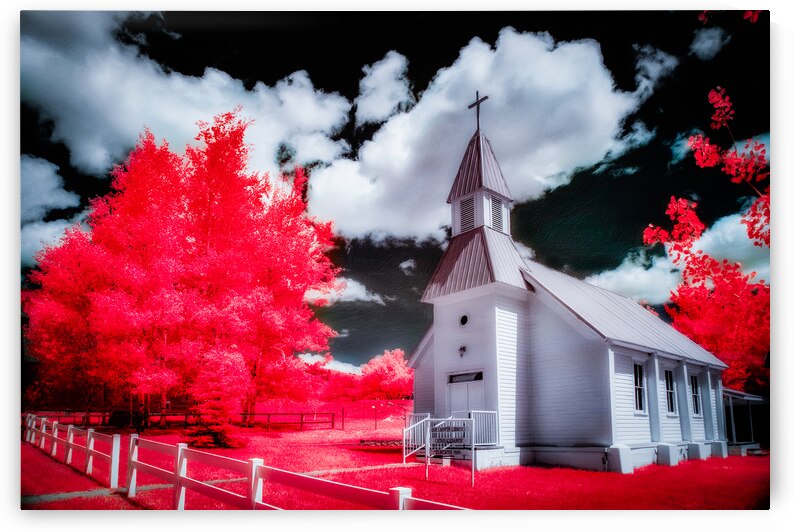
[{"x": 163, "y": 402}]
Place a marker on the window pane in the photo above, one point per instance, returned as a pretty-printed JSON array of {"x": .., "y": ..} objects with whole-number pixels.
[
  {"x": 670, "y": 390},
  {"x": 695, "y": 394},
  {"x": 639, "y": 394}
]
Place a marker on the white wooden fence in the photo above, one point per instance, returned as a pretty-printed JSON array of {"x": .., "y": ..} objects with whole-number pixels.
[
  {"x": 256, "y": 474},
  {"x": 46, "y": 435}
]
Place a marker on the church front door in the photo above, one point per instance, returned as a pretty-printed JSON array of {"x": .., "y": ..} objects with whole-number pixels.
[{"x": 466, "y": 392}]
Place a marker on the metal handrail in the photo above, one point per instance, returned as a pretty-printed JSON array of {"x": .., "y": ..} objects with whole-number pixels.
[{"x": 414, "y": 430}]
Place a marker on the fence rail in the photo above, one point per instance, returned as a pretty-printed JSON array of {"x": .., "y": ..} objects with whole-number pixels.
[
  {"x": 300, "y": 419},
  {"x": 45, "y": 434}
]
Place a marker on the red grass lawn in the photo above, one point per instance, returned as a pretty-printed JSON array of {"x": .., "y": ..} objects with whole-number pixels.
[
  {"x": 729, "y": 483},
  {"x": 732, "y": 483}
]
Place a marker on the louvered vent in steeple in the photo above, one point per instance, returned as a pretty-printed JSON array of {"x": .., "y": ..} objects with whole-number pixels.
[
  {"x": 496, "y": 214},
  {"x": 467, "y": 214}
]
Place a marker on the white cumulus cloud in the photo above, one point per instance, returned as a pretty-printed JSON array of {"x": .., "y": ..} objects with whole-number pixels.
[
  {"x": 652, "y": 65},
  {"x": 408, "y": 266},
  {"x": 384, "y": 89},
  {"x": 641, "y": 278},
  {"x": 727, "y": 239},
  {"x": 100, "y": 94},
  {"x": 653, "y": 278},
  {"x": 344, "y": 367},
  {"x": 553, "y": 107},
  {"x": 35, "y": 235},
  {"x": 708, "y": 42},
  {"x": 41, "y": 189},
  {"x": 351, "y": 290}
]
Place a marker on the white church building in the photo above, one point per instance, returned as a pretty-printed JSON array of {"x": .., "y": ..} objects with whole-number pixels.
[{"x": 554, "y": 370}]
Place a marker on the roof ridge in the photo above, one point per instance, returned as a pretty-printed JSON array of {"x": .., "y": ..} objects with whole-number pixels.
[{"x": 580, "y": 280}]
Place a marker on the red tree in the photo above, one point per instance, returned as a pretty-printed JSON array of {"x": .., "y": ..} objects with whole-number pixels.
[
  {"x": 717, "y": 305},
  {"x": 387, "y": 377},
  {"x": 192, "y": 272}
]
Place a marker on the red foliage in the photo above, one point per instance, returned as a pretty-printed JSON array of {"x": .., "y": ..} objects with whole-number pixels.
[
  {"x": 717, "y": 305},
  {"x": 757, "y": 221},
  {"x": 387, "y": 377},
  {"x": 748, "y": 165},
  {"x": 192, "y": 272},
  {"x": 723, "y": 108},
  {"x": 706, "y": 154}
]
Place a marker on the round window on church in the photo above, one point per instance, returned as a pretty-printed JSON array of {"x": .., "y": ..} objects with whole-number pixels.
[{"x": 464, "y": 320}]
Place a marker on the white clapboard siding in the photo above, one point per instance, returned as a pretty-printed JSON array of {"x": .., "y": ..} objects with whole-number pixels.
[
  {"x": 630, "y": 427},
  {"x": 671, "y": 423},
  {"x": 511, "y": 348},
  {"x": 477, "y": 336},
  {"x": 568, "y": 382},
  {"x": 423, "y": 381}
]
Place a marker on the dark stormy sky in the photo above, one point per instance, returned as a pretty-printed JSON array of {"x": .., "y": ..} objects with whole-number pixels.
[{"x": 588, "y": 115}]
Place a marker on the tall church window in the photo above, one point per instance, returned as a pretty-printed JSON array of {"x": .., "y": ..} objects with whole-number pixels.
[
  {"x": 467, "y": 214},
  {"x": 639, "y": 389},
  {"x": 695, "y": 385},
  {"x": 496, "y": 213},
  {"x": 669, "y": 390}
]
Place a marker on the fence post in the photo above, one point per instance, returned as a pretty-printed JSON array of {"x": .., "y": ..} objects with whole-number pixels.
[
  {"x": 333, "y": 420},
  {"x": 69, "y": 443},
  {"x": 428, "y": 448},
  {"x": 180, "y": 470},
  {"x": 397, "y": 498},
  {"x": 132, "y": 471},
  {"x": 27, "y": 427},
  {"x": 54, "y": 443},
  {"x": 301, "y": 422},
  {"x": 473, "y": 454},
  {"x": 254, "y": 481},
  {"x": 115, "y": 452},
  {"x": 89, "y": 451},
  {"x": 43, "y": 432}
]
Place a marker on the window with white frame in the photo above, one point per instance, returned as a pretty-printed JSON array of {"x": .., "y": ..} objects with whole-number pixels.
[
  {"x": 669, "y": 390},
  {"x": 639, "y": 389},
  {"x": 696, "y": 405}
]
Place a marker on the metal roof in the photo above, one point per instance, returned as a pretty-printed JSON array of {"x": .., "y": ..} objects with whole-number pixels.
[
  {"x": 483, "y": 256},
  {"x": 475, "y": 258},
  {"x": 616, "y": 317},
  {"x": 478, "y": 169},
  {"x": 735, "y": 394},
  {"x": 464, "y": 265}
]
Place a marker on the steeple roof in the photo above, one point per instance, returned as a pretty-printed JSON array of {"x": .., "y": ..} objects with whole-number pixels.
[{"x": 479, "y": 169}]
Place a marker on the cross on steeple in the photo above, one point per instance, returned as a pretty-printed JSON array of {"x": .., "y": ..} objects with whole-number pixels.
[{"x": 477, "y": 102}]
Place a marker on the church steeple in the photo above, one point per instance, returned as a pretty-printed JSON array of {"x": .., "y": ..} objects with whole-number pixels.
[{"x": 479, "y": 194}]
